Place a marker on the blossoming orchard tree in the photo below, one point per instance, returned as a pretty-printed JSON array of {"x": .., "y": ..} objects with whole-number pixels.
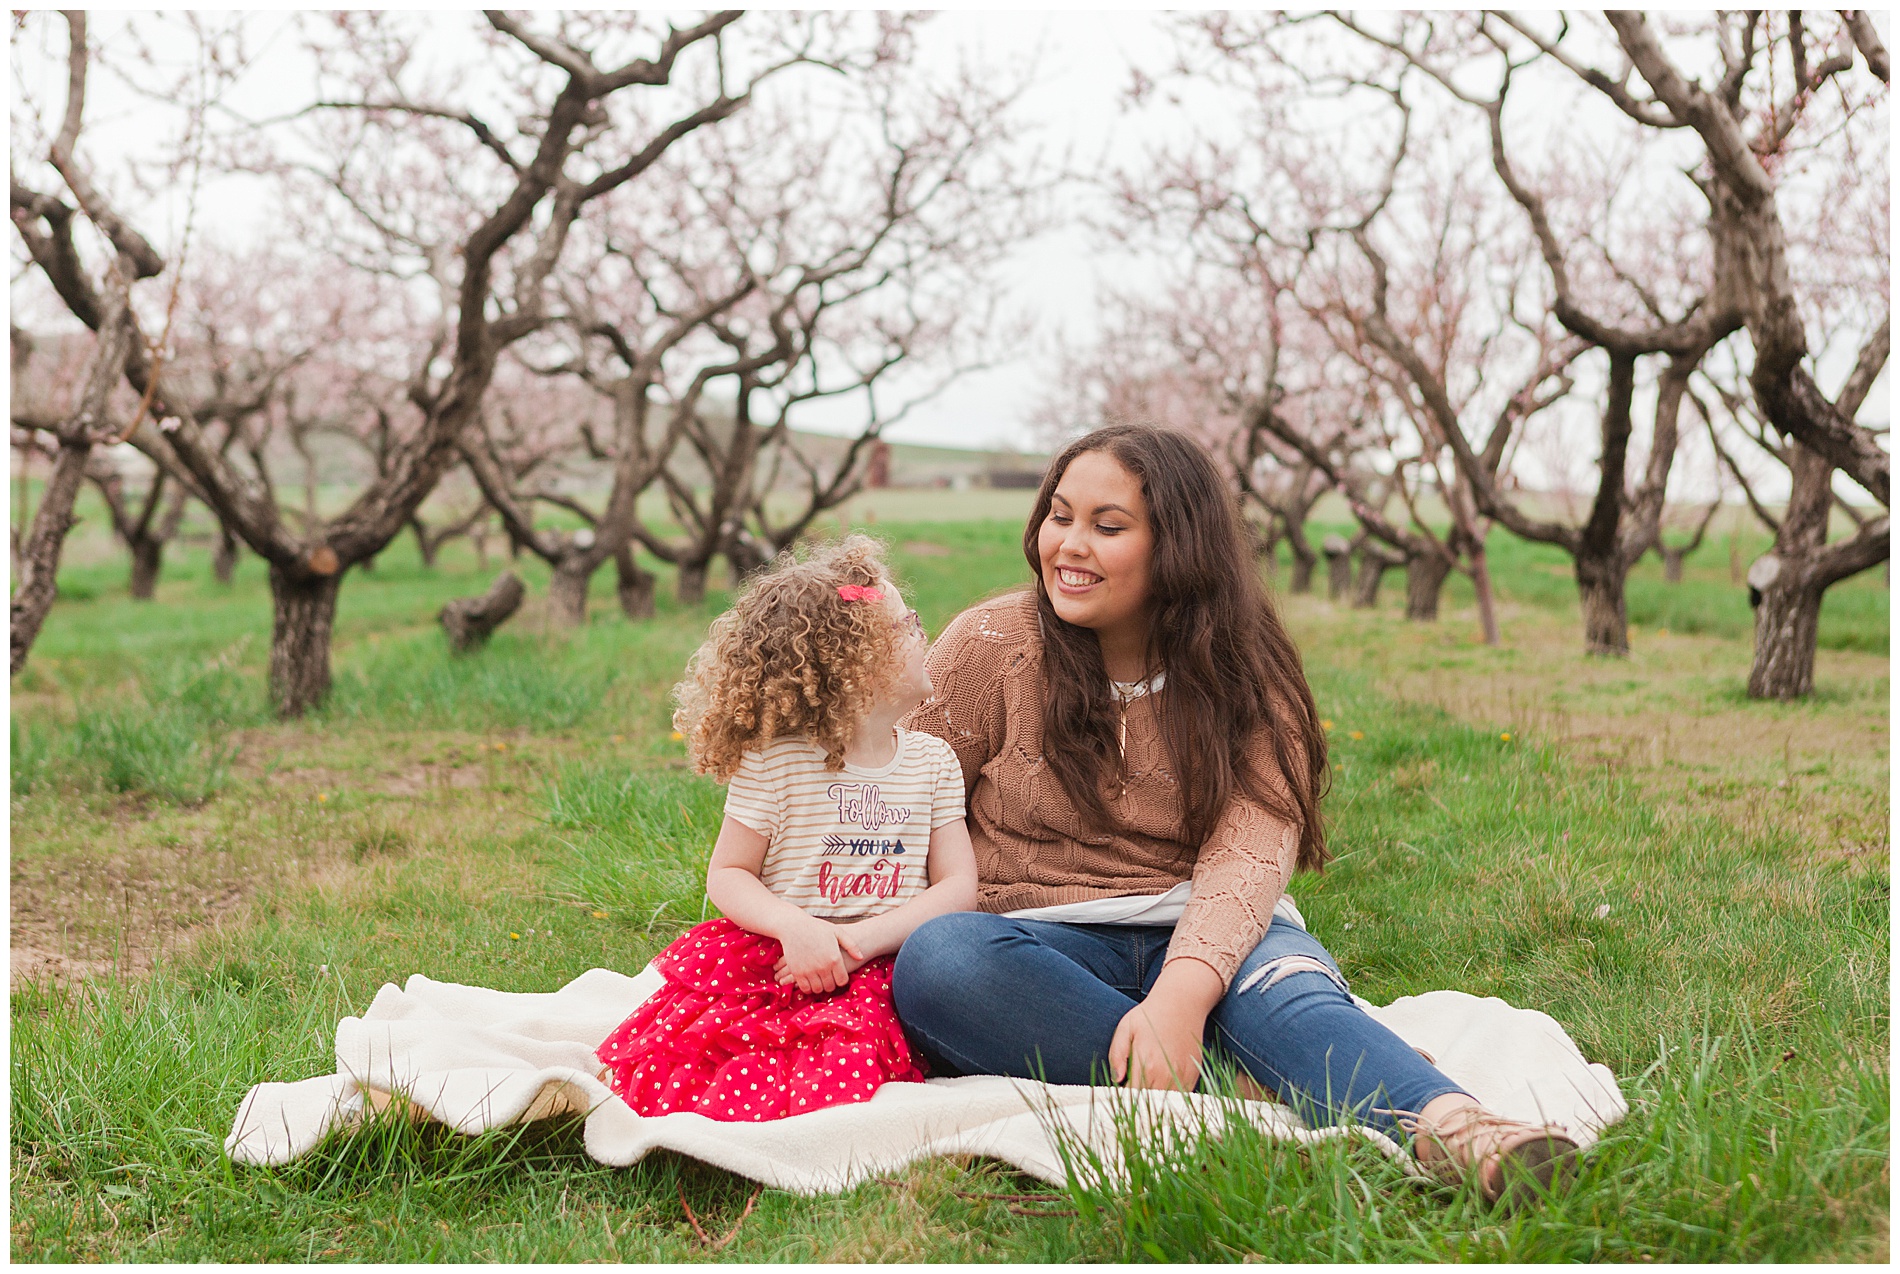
[
  {"x": 463, "y": 174},
  {"x": 1345, "y": 178},
  {"x": 1780, "y": 110},
  {"x": 1782, "y": 165},
  {"x": 1189, "y": 361},
  {"x": 50, "y": 229},
  {"x": 833, "y": 236},
  {"x": 1765, "y": 115},
  {"x": 1352, "y": 290},
  {"x": 1614, "y": 284},
  {"x": 882, "y": 235}
]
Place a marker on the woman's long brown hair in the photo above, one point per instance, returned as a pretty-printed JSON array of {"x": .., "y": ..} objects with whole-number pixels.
[{"x": 1231, "y": 668}]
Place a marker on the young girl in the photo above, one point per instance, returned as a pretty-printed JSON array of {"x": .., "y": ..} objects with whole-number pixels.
[{"x": 842, "y": 834}]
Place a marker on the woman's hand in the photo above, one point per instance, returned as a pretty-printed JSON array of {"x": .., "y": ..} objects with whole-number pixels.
[
  {"x": 814, "y": 956},
  {"x": 1157, "y": 1044}
]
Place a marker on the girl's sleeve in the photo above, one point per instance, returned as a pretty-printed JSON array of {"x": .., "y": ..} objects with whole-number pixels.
[
  {"x": 1240, "y": 874},
  {"x": 946, "y": 804},
  {"x": 752, "y": 798},
  {"x": 965, "y": 708}
]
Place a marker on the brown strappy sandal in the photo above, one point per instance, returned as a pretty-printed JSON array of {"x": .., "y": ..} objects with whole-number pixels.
[{"x": 1514, "y": 1163}]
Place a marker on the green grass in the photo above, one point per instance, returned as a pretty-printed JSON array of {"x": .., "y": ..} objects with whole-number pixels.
[
  {"x": 638, "y": 843},
  {"x": 1706, "y": 602},
  {"x": 231, "y": 886},
  {"x": 1694, "y": 1174}
]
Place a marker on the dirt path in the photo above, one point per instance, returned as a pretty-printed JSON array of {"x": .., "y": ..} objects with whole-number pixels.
[{"x": 107, "y": 884}]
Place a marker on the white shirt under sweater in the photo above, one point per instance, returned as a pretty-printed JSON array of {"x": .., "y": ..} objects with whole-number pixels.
[
  {"x": 843, "y": 844},
  {"x": 1136, "y": 909}
]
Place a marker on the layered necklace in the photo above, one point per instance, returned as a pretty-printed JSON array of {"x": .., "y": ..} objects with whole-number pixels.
[{"x": 1126, "y": 692}]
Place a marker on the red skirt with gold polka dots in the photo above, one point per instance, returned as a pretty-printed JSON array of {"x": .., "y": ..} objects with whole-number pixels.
[{"x": 722, "y": 1039}]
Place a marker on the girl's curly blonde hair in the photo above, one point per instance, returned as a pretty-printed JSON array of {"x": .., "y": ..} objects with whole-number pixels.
[{"x": 792, "y": 656}]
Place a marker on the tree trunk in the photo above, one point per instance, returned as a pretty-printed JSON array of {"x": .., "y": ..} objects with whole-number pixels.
[
  {"x": 303, "y": 614},
  {"x": 39, "y": 556},
  {"x": 1424, "y": 581},
  {"x": 1672, "y": 563},
  {"x": 1302, "y": 580},
  {"x": 692, "y": 584},
  {"x": 744, "y": 555},
  {"x": 1786, "y": 584},
  {"x": 567, "y": 593},
  {"x": 1304, "y": 563},
  {"x": 1374, "y": 561},
  {"x": 636, "y": 586},
  {"x": 224, "y": 557},
  {"x": 1605, "y": 611},
  {"x": 1487, "y": 596},
  {"x": 423, "y": 544},
  {"x": 1786, "y": 624},
  {"x": 470, "y": 621},
  {"x": 1338, "y": 551},
  {"x": 148, "y": 554},
  {"x": 1266, "y": 540}
]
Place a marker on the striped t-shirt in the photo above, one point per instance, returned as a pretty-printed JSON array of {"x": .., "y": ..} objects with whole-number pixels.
[{"x": 851, "y": 842}]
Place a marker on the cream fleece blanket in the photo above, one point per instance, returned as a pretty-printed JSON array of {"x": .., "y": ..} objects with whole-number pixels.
[{"x": 475, "y": 1059}]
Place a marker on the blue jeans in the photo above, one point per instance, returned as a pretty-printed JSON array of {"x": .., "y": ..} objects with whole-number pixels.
[{"x": 981, "y": 994}]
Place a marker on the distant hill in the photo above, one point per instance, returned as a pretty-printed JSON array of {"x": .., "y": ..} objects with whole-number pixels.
[{"x": 915, "y": 465}]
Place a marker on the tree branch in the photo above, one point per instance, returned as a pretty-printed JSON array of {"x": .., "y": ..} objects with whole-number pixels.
[
  {"x": 1652, "y": 113},
  {"x": 1867, "y": 40},
  {"x": 129, "y": 242},
  {"x": 1870, "y": 546}
]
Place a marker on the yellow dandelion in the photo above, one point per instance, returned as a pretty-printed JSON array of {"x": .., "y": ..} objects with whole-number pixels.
[
  {"x": 514, "y": 937},
  {"x": 1326, "y": 724},
  {"x": 677, "y": 736},
  {"x": 1358, "y": 734},
  {"x": 598, "y": 915},
  {"x": 1506, "y": 736},
  {"x": 322, "y": 796},
  {"x": 501, "y": 747}
]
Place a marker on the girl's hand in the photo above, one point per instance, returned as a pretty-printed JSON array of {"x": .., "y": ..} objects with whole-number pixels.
[
  {"x": 814, "y": 957},
  {"x": 865, "y": 940}
]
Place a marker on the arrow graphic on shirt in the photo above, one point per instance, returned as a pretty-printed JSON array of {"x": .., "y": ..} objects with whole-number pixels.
[{"x": 840, "y": 846}]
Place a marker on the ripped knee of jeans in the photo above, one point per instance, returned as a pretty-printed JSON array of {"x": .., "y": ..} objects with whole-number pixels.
[{"x": 1273, "y": 971}]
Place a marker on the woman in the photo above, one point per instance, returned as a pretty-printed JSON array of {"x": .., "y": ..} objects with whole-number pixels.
[{"x": 1143, "y": 765}]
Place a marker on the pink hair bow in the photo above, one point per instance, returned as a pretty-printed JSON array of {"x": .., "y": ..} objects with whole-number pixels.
[{"x": 859, "y": 593}]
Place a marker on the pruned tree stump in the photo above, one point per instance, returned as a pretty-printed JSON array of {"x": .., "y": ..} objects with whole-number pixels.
[{"x": 469, "y": 621}]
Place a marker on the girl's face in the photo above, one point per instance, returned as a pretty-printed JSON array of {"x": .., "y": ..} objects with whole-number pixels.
[
  {"x": 910, "y": 682},
  {"x": 1097, "y": 548}
]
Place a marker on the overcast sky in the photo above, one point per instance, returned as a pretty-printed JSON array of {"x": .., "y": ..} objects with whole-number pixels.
[{"x": 1082, "y": 60}]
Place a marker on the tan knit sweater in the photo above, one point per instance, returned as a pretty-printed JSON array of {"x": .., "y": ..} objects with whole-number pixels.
[{"x": 1031, "y": 846}]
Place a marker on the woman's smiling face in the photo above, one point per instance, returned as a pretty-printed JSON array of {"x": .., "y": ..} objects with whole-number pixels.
[{"x": 1097, "y": 548}]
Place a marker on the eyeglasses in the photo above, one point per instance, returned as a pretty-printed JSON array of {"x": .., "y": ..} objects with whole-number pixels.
[{"x": 911, "y": 622}]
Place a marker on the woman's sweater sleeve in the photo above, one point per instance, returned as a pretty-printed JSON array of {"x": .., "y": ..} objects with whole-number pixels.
[
  {"x": 1240, "y": 874},
  {"x": 966, "y": 708}
]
